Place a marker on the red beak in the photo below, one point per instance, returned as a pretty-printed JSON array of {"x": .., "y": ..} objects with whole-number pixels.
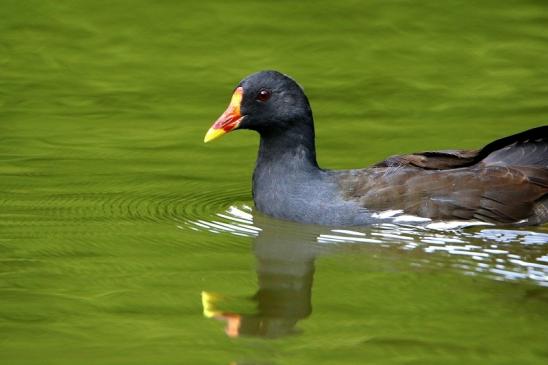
[{"x": 229, "y": 120}]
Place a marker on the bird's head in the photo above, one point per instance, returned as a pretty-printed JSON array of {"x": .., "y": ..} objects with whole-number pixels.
[{"x": 267, "y": 102}]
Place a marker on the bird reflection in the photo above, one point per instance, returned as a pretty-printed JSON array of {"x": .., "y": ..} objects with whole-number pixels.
[{"x": 285, "y": 256}]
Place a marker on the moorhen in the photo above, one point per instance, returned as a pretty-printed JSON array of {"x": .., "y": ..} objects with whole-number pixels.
[{"x": 504, "y": 182}]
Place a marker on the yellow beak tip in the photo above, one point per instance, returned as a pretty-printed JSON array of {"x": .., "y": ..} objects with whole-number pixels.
[{"x": 213, "y": 134}]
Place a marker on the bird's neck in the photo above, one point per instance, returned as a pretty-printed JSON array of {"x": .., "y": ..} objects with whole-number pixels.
[{"x": 292, "y": 149}]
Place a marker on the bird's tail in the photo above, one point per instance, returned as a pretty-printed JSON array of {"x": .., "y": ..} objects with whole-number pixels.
[{"x": 528, "y": 148}]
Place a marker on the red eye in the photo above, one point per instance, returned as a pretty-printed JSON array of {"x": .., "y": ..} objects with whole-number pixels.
[{"x": 264, "y": 95}]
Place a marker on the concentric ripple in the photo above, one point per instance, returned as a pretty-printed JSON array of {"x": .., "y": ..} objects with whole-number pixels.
[{"x": 109, "y": 209}]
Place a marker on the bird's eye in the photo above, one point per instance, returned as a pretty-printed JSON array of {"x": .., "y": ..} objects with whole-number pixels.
[{"x": 264, "y": 95}]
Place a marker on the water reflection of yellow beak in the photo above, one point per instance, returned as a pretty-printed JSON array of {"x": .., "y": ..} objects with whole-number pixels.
[{"x": 208, "y": 304}]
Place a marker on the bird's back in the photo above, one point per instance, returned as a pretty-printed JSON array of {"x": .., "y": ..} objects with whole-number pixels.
[{"x": 504, "y": 182}]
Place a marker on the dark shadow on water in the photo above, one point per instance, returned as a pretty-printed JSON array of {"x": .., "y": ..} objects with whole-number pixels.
[{"x": 285, "y": 256}]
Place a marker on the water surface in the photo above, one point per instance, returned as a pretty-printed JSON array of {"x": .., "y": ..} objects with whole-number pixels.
[{"x": 125, "y": 240}]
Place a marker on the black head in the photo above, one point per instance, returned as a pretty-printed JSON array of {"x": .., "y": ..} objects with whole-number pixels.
[
  {"x": 267, "y": 102},
  {"x": 272, "y": 101}
]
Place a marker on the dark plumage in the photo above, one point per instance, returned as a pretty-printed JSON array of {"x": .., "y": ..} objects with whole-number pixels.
[{"x": 504, "y": 182}]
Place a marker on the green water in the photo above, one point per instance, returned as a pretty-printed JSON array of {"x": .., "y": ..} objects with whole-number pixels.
[{"x": 125, "y": 240}]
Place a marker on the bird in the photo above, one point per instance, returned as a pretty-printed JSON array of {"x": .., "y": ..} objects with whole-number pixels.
[{"x": 505, "y": 182}]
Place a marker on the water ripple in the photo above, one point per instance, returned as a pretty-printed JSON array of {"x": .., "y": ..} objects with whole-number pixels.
[
  {"x": 502, "y": 254},
  {"x": 109, "y": 208}
]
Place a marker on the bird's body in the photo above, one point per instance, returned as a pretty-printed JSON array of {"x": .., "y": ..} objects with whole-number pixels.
[{"x": 504, "y": 182}]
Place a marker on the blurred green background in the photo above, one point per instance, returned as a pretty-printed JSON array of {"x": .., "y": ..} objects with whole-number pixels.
[{"x": 103, "y": 108}]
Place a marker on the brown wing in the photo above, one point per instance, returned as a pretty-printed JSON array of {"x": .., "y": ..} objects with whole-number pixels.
[
  {"x": 432, "y": 160},
  {"x": 488, "y": 193},
  {"x": 504, "y": 182}
]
